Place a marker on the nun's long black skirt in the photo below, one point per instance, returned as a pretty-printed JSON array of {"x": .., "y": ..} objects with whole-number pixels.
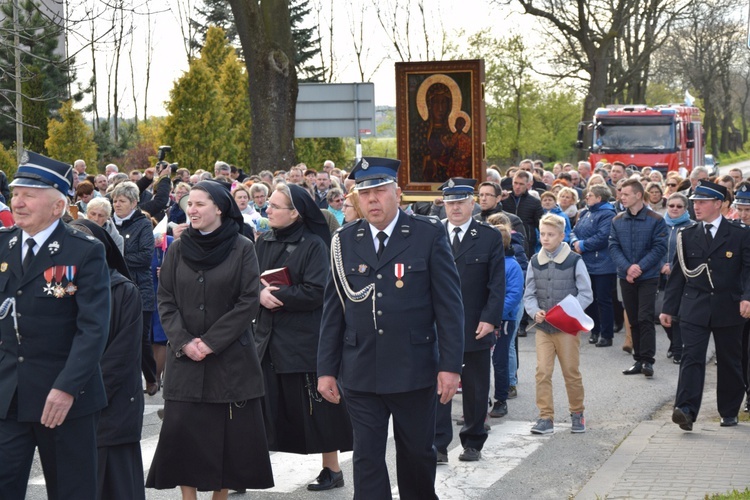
[
  {"x": 212, "y": 446},
  {"x": 298, "y": 419}
]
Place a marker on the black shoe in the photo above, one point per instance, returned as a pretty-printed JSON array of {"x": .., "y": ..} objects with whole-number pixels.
[
  {"x": 683, "y": 418},
  {"x": 648, "y": 369},
  {"x": 521, "y": 331},
  {"x": 594, "y": 338},
  {"x": 747, "y": 405},
  {"x": 604, "y": 342},
  {"x": 669, "y": 353},
  {"x": 677, "y": 359},
  {"x": 470, "y": 455},
  {"x": 617, "y": 327},
  {"x": 442, "y": 458},
  {"x": 460, "y": 421},
  {"x": 634, "y": 370},
  {"x": 728, "y": 421},
  {"x": 499, "y": 409},
  {"x": 327, "y": 480}
]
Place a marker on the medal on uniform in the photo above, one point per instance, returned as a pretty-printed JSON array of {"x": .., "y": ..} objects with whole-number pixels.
[
  {"x": 729, "y": 255},
  {"x": 399, "y": 271},
  {"x": 362, "y": 268},
  {"x": 59, "y": 290},
  {"x": 12, "y": 242},
  {"x": 53, "y": 248},
  {"x": 3, "y": 267},
  {"x": 70, "y": 273},
  {"x": 48, "y": 274}
]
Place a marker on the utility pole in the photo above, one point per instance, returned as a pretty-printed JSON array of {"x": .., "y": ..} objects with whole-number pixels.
[{"x": 19, "y": 98}]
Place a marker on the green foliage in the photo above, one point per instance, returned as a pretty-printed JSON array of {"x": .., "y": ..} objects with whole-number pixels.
[
  {"x": 384, "y": 147},
  {"x": 35, "y": 112},
  {"x": 70, "y": 138},
  {"x": 39, "y": 37},
  {"x": 216, "y": 49},
  {"x": 8, "y": 161},
  {"x": 314, "y": 151},
  {"x": 732, "y": 495},
  {"x": 233, "y": 86},
  {"x": 197, "y": 126},
  {"x": 214, "y": 13},
  {"x": 306, "y": 44}
]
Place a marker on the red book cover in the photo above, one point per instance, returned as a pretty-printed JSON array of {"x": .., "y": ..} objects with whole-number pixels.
[{"x": 277, "y": 277}]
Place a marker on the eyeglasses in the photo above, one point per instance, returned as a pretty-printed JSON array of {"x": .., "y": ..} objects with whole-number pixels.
[
  {"x": 676, "y": 206},
  {"x": 672, "y": 185},
  {"x": 487, "y": 195},
  {"x": 346, "y": 205},
  {"x": 276, "y": 207}
]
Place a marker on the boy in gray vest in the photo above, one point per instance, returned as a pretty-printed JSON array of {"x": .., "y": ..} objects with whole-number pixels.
[{"x": 553, "y": 274}]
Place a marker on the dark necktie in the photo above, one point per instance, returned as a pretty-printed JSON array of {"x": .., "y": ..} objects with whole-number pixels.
[
  {"x": 382, "y": 236},
  {"x": 456, "y": 241},
  {"x": 29, "y": 254},
  {"x": 709, "y": 236}
]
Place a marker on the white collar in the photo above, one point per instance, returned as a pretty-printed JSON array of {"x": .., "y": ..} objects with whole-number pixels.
[
  {"x": 40, "y": 238},
  {"x": 464, "y": 228},
  {"x": 714, "y": 224},
  {"x": 388, "y": 229}
]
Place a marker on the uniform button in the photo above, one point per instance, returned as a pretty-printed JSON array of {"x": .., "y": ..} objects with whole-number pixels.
[
  {"x": 20, "y": 359},
  {"x": 380, "y": 294},
  {"x": 712, "y": 293},
  {"x": 380, "y": 313},
  {"x": 380, "y": 276},
  {"x": 132, "y": 399},
  {"x": 200, "y": 280},
  {"x": 408, "y": 267},
  {"x": 19, "y": 292},
  {"x": 380, "y": 332},
  {"x": 201, "y": 307}
]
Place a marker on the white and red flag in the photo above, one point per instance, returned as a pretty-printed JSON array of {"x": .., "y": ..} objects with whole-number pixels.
[{"x": 568, "y": 316}]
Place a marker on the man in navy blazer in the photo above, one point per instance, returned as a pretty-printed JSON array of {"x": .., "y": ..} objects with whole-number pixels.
[
  {"x": 479, "y": 256},
  {"x": 54, "y": 323},
  {"x": 391, "y": 333}
]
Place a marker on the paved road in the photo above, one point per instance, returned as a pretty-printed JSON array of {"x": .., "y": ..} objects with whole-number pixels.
[{"x": 516, "y": 464}]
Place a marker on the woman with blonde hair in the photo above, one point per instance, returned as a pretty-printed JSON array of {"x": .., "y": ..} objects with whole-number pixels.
[
  {"x": 567, "y": 198},
  {"x": 351, "y": 207}
]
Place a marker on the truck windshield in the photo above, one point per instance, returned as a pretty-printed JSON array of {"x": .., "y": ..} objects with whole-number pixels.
[{"x": 634, "y": 138}]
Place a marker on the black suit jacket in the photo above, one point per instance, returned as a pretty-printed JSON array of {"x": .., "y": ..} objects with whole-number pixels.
[
  {"x": 480, "y": 262},
  {"x": 62, "y": 339},
  {"x": 419, "y": 325},
  {"x": 693, "y": 300}
]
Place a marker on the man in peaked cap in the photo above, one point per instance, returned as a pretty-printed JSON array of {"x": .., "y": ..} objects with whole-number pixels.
[
  {"x": 709, "y": 291},
  {"x": 54, "y": 322},
  {"x": 478, "y": 254},
  {"x": 391, "y": 333}
]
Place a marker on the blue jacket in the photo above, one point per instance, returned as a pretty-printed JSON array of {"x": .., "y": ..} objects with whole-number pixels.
[
  {"x": 592, "y": 234},
  {"x": 557, "y": 211},
  {"x": 514, "y": 282},
  {"x": 638, "y": 239}
]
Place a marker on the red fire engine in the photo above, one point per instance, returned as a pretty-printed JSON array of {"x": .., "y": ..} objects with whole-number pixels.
[{"x": 664, "y": 137}]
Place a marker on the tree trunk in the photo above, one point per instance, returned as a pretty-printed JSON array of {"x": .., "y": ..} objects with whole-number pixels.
[{"x": 266, "y": 36}]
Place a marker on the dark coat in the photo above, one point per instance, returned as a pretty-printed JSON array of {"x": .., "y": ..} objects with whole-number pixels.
[
  {"x": 160, "y": 200},
  {"x": 638, "y": 239},
  {"x": 480, "y": 262},
  {"x": 529, "y": 210},
  {"x": 693, "y": 300},
  {"x": 121, "y": 421},
  {"x": 137, "y": 232},
  {"x": 592, "y": 233},
  {"x": 419, "y": 325},
  {"x": 290, "y": 334},
  {"x": 62, "y": 339},
  {"x": 217, "y": 305}
]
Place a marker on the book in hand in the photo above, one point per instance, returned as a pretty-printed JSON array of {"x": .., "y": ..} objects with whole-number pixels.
[{"x": 277, "y": 277}]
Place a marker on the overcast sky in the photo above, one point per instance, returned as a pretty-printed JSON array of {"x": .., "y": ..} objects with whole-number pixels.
[{"x": 169, "y": 59}]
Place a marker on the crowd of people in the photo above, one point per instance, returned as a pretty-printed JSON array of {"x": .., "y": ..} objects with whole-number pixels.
[{"x": 271, "y": 310}]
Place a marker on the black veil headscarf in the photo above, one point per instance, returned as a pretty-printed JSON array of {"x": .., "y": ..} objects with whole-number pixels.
[
  {"x": 206, "y": 251},
  {"x": 115, "y": 260},
  {"x": 312, "y": 217}
]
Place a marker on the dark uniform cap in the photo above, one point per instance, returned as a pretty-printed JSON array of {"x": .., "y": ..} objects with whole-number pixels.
[
  {"x": 37, "y": 171},
  {"x": 370, "y": 172},
  {"x": 457, "y": 189},
  {"x": 709, "y": 191},
  {"x": 742, "y": 196}
]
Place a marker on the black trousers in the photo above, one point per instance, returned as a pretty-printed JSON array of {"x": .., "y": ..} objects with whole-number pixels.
[
  {"x": 730, "y": 388},
  {"x": 475, "y": 387},
  {"x": 639, "y": 299},
  {"x": 746, "y": 356},
  {"x": 68, "y": 455},
  {"x": 148, "y": 363},
  {"x": 414, "y": 431}
]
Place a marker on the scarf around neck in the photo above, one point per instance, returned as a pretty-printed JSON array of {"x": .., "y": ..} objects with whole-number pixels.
[{"x": 202, "y": 252}]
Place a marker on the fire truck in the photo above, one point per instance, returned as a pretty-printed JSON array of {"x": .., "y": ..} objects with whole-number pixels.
[{"x": 665, "y": 137}]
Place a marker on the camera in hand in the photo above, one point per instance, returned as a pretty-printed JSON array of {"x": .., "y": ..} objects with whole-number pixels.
[{"x": 163, "y": 150}]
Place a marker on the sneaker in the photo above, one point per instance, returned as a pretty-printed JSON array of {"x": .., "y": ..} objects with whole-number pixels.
[
  {"x": 512, "y": 392},
  {"x": 578, "y": 423},
  {"x": 543, "y": 426},
  {"x": 499, "y": 409}
]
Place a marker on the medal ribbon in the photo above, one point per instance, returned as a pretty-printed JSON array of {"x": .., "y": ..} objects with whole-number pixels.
[
  {"x": 399, "y": 270},
  {"x": 48, "y": 274},
  {"x": 59, "y": 273},
  {"x": 70, "y": 273}
]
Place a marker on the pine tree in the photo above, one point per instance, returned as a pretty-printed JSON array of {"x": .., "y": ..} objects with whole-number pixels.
[
  {"x": 214, "y": 13},
  {"x": 234, "y": 87},
  {"x": 70, "y": 137},
  {"x": 39, "y": 37},
  {"x": 216, "y": 50},
  {"x": 306, "y": 45},
  {"x": 35, "y": 112}
]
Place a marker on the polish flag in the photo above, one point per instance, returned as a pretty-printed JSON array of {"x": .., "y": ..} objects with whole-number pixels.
[{"x": 568, "y": 317}]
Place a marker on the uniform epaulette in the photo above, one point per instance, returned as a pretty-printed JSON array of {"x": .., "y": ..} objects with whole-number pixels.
[
  {"x": 81, "y": 235},
  {"x": 5, "y": 229},
  {"x": 485, "y": 224},
  {"x": 348, "y": 225},
  {"x": 737, "y": 222},
  {"x": 425, "y": 218}
]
